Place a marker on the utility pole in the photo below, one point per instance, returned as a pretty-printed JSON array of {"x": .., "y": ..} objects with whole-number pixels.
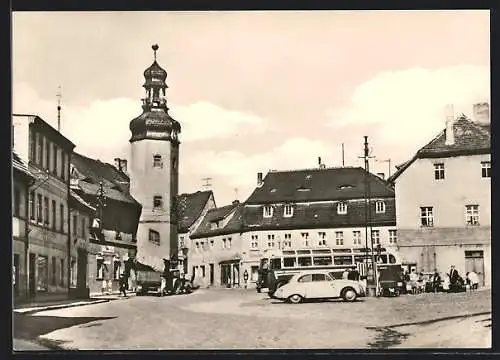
[{"x": 372, "y": 280}]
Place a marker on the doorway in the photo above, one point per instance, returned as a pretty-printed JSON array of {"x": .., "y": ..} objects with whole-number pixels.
[
  {"x": 81, "y": 272},
  {"x": 474, "y": 261},
  {"x": 32, "y": 277},
  {"x": 211, "y": 267}
]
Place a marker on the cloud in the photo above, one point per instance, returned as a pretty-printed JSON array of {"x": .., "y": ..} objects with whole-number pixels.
[{"x": 406, "y": 108}]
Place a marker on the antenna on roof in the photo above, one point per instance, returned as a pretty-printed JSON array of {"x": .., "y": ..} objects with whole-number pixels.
[
  {"x": 59, "y": 96},
  {"x": 207, "y": 183}
]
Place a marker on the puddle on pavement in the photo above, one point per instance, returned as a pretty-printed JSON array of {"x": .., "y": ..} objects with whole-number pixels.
[{"x": 386, "y": 337}]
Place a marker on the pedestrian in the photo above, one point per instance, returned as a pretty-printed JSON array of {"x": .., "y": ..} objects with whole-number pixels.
[
  {"x": 413, "y": 281},
  {"x": 345, "y": 274},
  {"x": 123, "y": 284},
  {"x": 473, "y": 280},
  {"x": 454, "y": 279},
  {"x": 245, "y": 278},
  {"x": 436, "y": 281},
  {"x": 446, "y": 282}
]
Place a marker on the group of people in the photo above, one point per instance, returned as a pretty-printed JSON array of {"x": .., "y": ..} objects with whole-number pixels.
[{"x": 452, "y": 282}]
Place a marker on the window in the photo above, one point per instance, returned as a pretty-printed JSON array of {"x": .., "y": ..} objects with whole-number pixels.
[
  {"x": 54, "y": 271},
  {"x": 342, "y": 260},
  {"x": 305, "y": 237},
  {"x": 270, "y": 237},
  {"x": 288, "y": 211},
  {"x": 157, "y": 202},
  {"x": 322, "y": 238},
  {"x": 117, "y": 269},
  {"x": 305, "y": 278},
  {"x": 380, "y": 207},
  {"x": 61, "y": 217},
  {"x": 356, "y": 237},
  {"x": 39, "y": 215},
  {"x": 74, "y": 230},
  {"x": 439, "y": 171},
  {"x": 154, "y": 237},
  {"x": 318, "y": 277},
  {"x": 47, "y": 156},
  {"x": 393, "y": 236},
  {"x": 211, "y": 243},
  {"x": 100, "y": 269},
  {"x": 16, "y": 201},
  {"x": 203, "y": 274},
  {"x": 32, "y": 156},
  {"x": 255, "y": 242},
  {"x": 339, "y": 238},
  {"x": 289, "y": 262},
  {"x": 304, "y": 261},
  {"x": 54, "y": 160},
  {"x": 197, "y": 245},
  {"x": 342, "y": 208},
  {"x": 39, "y": 149},
  {"x": 275, "y": 264},
  {"x": 157, "y": 161},
  {"x": 322, "y": 260},
  {"x": 72, "y": 275},
  {"x": 42, "y": 271},
  {"x": 427, "y": 216},
  {"x": 472, "y": 214},
  {"x": 46, "y": 210},
  {"x": 268, "y": 211},
  {"x": 376, "y": 236},
  {"x": 202, "y": 245},
  {"x": 486, "y": 169},
  {"x": 32, "y": 205},
  {"x": 82, "y": 229},
  {"x": 61, "y": 272},
  {"x": 53, "y": 214}
]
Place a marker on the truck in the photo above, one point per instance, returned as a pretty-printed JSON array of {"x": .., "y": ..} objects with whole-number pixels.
[{"x": 148, "y": 280}]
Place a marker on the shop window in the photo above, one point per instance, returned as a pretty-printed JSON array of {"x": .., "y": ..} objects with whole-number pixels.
[
  {"x": 61, "y": 272},
  {"x": 100, "y": 269},
  {"x": 53, "y": 277},
  {"x": 73, "y": 272},
  {"x": 117, "y": 269},
  {"x": 42, "y": 271}
]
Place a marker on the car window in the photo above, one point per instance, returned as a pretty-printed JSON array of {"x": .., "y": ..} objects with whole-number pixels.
[
  {"x": 318, "y": 277},
  {"x": 332, "y": 275},
  {"x": 305, "y": 278},
  {"x": 392, "y": 259}
]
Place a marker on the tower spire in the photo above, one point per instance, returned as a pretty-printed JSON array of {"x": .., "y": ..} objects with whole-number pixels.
[
  {"x": 155, "y": 47},
  {"x": 59, "y": 96}
]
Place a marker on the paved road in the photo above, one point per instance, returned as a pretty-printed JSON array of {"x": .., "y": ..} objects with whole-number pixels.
[{"x": 243, "y": 319}]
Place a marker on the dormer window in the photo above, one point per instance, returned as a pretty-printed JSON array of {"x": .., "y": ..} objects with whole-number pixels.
[
  {"x": 288, "y": 211},
  {"x": 380, "y": 207},
  {"x": 342, "y": 208},
  {"x": 268, "y": 211},
  {"x": 157, "y": 161},
  {"x": 157, "y": 202}
]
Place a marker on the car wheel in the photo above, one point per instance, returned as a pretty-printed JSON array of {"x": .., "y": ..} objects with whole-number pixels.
[
  {"x": 349, "y": 294},
  {"x": 295, "y": 299}
]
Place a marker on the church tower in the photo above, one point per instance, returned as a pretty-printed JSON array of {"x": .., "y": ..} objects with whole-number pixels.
[{"x": 154, "y": 175}]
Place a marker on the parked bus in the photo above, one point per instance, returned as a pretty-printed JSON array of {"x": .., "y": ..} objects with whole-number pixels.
[{"x": 278, "y": 266}]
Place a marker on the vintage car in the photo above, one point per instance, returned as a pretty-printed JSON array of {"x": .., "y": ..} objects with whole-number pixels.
[{"x": 318, "y": 284}]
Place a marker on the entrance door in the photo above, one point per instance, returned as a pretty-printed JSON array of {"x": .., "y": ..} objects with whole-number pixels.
[
  {"x": 211, "y": 273},
  {"x": 15, "y": 277},
  {"x": 32, "y": 277},
  {"x": 474, "y": 261},
  {"x": 81, "y": 273}
]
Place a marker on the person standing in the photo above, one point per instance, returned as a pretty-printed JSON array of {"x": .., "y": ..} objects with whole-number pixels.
[
  {"x": 454, "y": 279},
  {"x": 245, "y": 278},
  {"x": 123, "y": 284},
  {"x": 473, "y": 280}
]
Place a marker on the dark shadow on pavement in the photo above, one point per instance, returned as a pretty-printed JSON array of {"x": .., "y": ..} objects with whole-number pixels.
[{"x": 31, "y": 327}]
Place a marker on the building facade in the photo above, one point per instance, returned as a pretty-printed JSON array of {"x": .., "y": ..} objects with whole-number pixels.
[
  {"x": 154, "y": 158},
  {"x": 314, "y": 208},
  {"x": 443, "y": 200},
  {"x": 110, "y": 246},
  {"x": 48, "y": 248}
]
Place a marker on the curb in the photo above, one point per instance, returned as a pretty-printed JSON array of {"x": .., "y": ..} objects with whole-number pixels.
[
  {"x": 57, "y": 307},
  {"x": 427, "y": 322}
]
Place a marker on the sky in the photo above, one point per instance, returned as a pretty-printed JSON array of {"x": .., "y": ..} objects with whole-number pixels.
[{"x": 255, "y": 91}]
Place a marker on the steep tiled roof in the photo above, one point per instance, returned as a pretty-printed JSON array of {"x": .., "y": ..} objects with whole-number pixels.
[
  {"x": 470, "y": 138},
  {"x": 220, "y": 215},
  {"x": 318, "y": 185},
  {"x": 319, "y": 215},
  {"x": 191, "y": 207},
  {"x": 18, "y": 164}
]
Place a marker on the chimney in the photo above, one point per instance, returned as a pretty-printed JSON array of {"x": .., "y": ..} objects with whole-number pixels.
[
  {"x": 481, "y": 113},
  {"x": 123, "y": 165},
  {"x": 449, "y": 134},
  {"x": 117, "y": 163},
  {"x": 259, "y": 179},
  {"x": 381, "y": 175}
]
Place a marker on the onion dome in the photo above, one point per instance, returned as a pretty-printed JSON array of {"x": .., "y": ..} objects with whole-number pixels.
[{"x": 155, "y": 75}]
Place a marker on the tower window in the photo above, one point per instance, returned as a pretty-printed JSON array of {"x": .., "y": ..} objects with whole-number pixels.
[
  {"x": 157, "y": 161},
  {"x": 154, "y": 237},
  {"x": 157, "y": 202}
]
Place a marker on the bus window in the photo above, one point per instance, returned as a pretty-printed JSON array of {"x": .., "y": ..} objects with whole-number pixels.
[
  {"x": 342, "y": 260},
  {"x": 303, "y": 251},
  {"x": 304, "y": 261},
  {"x": 322, "y": 251},
  {"x": 276, "y": 263},
  {"x": 392, "y": 259},
  {"x": 359, "y": 258},
  {"x": 289, "y": 262},
  {"x": 288, "y": 252},
  {"x": 341, "y": 250},
  {"x": 322, "y": 260}
]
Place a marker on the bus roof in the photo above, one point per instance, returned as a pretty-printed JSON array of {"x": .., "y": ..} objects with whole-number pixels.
[{"x": 317, "y": 251}]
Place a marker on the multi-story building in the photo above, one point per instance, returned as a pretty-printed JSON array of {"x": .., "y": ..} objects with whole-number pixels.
[
  {"x": 154, "y": 172},
  {"x": 111, "y": 245},
  {"x": 310, "y": 208},
  {"x": 48, "y": 248},
  {"x": 192, "y": 209},
  {"x": 215, "y": 251},
  {"x": 22, "y": 180},
  {"x": 443, "y": 199}
]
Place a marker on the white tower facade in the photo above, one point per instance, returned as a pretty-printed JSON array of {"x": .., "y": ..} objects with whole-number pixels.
[{"x": 154, "y": 175}]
